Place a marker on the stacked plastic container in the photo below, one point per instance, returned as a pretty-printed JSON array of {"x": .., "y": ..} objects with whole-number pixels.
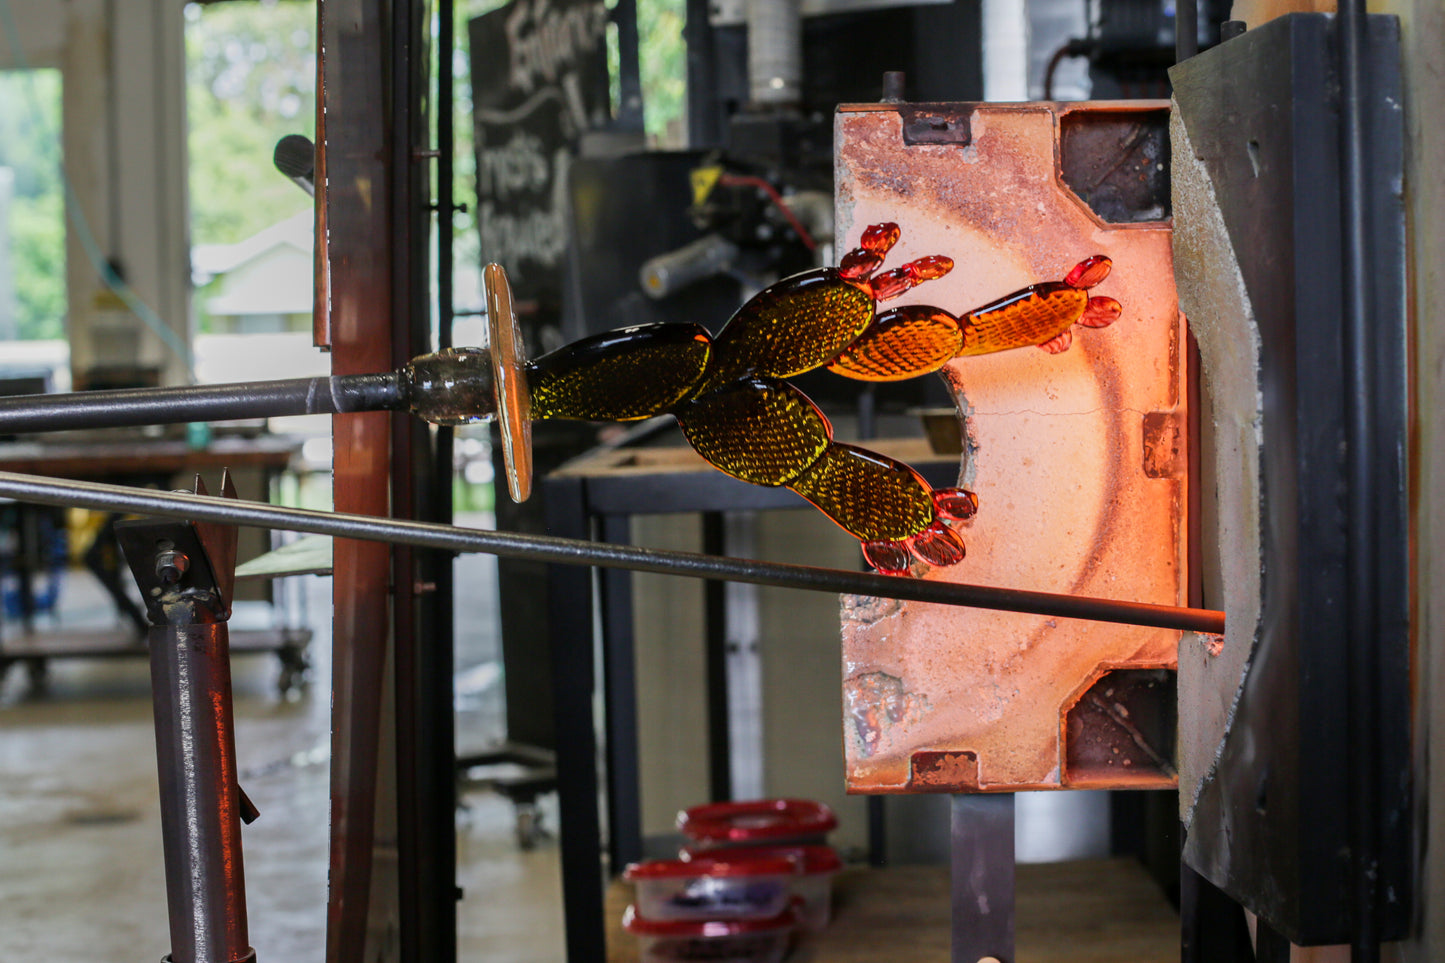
[{"x": 751, "y": 876}]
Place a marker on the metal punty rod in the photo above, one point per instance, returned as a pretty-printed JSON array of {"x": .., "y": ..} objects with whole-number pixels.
[
  {"x": 130, "y": 407},
  {"x": 544, "y": 548}
]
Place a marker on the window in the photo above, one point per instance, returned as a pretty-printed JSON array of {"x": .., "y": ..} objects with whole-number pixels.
[{"x": 32, "y": 226}]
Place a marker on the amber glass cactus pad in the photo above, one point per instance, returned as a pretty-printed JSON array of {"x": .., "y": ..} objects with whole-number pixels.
[
  {"x": 1101, "y": 313},
  {"x": 872, "y": 496},
  {"x": 873, "y": 246},
  {"x": 1089, "y": 272},
  {"x": 903, "y": 343},
  {"x": 957, "y": 503},
  {"x": 621, "y": 375},
  {"x": 1032, "y": 316},
  {"x": 762, "y": 431},
  {"x": 890, "y": 284},
  {"x": 796, "y": 325}
]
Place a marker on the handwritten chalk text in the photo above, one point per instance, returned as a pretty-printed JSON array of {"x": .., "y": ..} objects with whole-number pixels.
[{"x": 545, "y": 42}]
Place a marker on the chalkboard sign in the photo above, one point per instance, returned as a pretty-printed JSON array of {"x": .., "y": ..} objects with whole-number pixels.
[{"x": 539, "y": 79}]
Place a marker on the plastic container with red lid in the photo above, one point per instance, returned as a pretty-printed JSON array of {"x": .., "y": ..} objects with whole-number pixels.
[
  {"x": 757, "y": 822},
  {"x": 713, "y": 887},
  {"x": 813, "y": 886},
  {"x": 716, "y": 941}
]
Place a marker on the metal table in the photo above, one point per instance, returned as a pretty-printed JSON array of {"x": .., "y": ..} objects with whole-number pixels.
[
  {"x": 594, "y": 497},
  {"x": 136, "y": 461}
]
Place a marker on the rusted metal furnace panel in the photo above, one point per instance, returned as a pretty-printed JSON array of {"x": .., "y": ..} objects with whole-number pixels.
[{"x": 1078, "y": 458}]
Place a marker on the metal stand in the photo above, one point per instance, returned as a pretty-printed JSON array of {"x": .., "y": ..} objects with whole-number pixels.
[
  {"x": 185, "y": 571},
  {"x": 982, "y": 854},
  {"x": 1213, "y": 925}
]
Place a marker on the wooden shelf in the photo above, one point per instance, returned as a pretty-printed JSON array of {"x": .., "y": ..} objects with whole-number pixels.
[{"x": 1090, "y": 911}]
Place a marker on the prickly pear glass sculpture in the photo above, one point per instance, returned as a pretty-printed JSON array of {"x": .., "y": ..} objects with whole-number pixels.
[{"x": 731, "y": 398}]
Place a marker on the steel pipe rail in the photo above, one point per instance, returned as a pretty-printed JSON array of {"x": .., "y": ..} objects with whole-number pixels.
[
  {"x": 199, "y": 798},
  {"x": 544, "y": 548},
  {"x": 1362, "y": 476},
  {"x": 130, "y": 407}
]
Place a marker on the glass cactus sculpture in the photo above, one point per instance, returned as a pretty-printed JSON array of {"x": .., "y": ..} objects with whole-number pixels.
[{"x": 731, "y": 398}]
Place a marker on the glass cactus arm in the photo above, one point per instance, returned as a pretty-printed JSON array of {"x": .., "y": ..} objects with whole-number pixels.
[
  {"x": 902, "y": 343},
  {"x": 919, "y": 339},
  {"x": 767, "y": 432},
  {"x": 623, "y": 375},
  {"x": 1042, "y": 314},
  {"x": 887, "y": 506}
]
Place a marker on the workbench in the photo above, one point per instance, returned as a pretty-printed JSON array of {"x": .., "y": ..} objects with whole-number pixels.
[{"x": 127, "y": 458}]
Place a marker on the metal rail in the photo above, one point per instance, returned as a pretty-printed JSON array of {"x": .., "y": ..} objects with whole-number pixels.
[
  {"x": 130, "y": 407},
  {"x": 1361, "y": 478},
  {"x": 1186, "y": 29},
  {"x": 544, "y": 548}
]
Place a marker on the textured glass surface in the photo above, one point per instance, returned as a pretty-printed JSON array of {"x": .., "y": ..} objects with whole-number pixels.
[
  {"x": 902, "y": 343},
  {"x": 1042, "y": 314},
  {"x": 796, "y": 325},
  {"x": 1035, "y": 315},
  {"x": 762, "y": 431},
  {"x": 620, "y": 375},
  {"x": 871, "y": 496}
]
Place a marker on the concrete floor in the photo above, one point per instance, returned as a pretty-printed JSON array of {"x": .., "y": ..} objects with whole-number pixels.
[{"x": 80, "y": 850}]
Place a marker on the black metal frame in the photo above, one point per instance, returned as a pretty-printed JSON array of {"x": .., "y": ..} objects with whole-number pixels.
[{"x": 1306, "y": 817}]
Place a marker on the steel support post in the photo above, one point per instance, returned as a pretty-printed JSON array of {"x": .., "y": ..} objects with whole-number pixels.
[
  {"x": 1213, "y": 928},
  {"x": 619, "y": 662},
  {"x": 574, "y": 679},
  {"x": 185, "y": 573},
  {"x": 982, "y": 854},
  {"x": 719, "y": 741},
  {"x": 200, "y": 800}
]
